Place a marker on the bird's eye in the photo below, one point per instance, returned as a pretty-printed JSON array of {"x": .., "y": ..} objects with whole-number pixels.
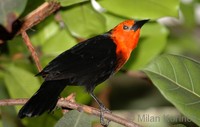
[{"x": 125, "y": 27}]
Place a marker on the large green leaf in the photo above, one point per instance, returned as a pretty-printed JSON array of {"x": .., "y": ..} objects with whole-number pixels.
[
  {"x": 65, "y": 3},
  {"x": 52, "y": 38},
  {"x": 149, "y": 46},
  {"x": 31, "y": 5},
  {"x": 178, "y": 80},
  {"x": 112, "y": 20},
  {"x": 10, "y": 11},
  {"x": 16, "y": 45},
  {"x": 82, "y": 96},
  {"x": 83, "y": 21},
  {"x": 75, "y": 119},
  {"x": 58, "y": 43},
  {"x": 188, "y": 12},
  {"x": 184, "y": 43},
  {"x": 20, "y": 83},
  {"x": 140, "y": 9},
  {"x": 44, "y": 31},
  {"x": 8, "y": 116},
  {"x": 7, "y": 113},
  {"x": 45, "y": 120}
]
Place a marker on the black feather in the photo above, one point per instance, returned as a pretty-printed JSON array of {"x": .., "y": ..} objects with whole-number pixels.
[
  {"x": 43, "y": 100},
  {"x": 87, "y": 64}
]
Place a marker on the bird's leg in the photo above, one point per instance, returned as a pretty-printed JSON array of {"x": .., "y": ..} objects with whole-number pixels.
[{"x": 103, "y": 109}]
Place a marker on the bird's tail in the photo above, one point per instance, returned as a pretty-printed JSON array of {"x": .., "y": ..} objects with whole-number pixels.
[{"x": 44, "y": 99}]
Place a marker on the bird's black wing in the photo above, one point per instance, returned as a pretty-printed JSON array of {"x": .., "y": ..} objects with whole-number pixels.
[{"x": 88, "y": 63}]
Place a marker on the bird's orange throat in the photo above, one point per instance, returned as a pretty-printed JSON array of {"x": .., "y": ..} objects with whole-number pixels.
[{"x": 125, "y": 45}]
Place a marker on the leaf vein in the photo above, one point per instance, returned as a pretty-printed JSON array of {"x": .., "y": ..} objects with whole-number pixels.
[
  {"x": 192, "y": 103},
  {"x": 189, "y": 75},
  {"x": 172, "y": 89},
  {"x": 173, "y": 69},
  {"x": 174, "y": 83},
  {"x": 158, "y": 66},
  {"x": 77, "y": 120}
]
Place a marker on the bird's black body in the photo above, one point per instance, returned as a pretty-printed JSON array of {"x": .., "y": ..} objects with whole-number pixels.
[{"x": 87, "y": 64}]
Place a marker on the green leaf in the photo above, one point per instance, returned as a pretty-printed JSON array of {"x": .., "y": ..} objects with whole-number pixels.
[
  {"x": 1, "y": 124},
  {"x": 82, "y": 96},
  {"x": 75, "y": 119},
  {"x": 45, "y": 120},
  {"x": 177, "y": 78},
  {"x": 30, "y": 6},
  {"x": 83, "y": 21},
  {"x": 20, "y": 83},
  {"x": 65, "y": 3},
  {"x": 150, "y": 45},
  {"x": 185, "y": 43},
  {"x": 44, "y": 31},
  {"x": 136, "y": 9},
  {"x": 58, "y": 43},
  {"x": 10, "y": 11},
  {"x": 52, "y": 39},
  {"x": 112, "y": 20},
  {"x": 16, "y": 45},
  {"x": 188, "y": 11},
  {"x": 8, "y": 113}
]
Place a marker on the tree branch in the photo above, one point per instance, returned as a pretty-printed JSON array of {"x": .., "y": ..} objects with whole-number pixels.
[
  {"x": 38, "y": 15},
  {"x": 75, "y": 106},
  {"x": 32, "y": 50},
  {"x": 32, "y": 19}
]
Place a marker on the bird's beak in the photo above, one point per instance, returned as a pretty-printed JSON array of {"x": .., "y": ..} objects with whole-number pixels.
[{"x": 139, "y": 24}]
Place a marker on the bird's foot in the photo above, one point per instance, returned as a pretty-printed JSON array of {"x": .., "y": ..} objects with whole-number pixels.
[{"x": 103, "y": 121}]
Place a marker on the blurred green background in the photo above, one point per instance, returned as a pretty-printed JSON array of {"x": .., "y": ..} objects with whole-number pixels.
[{"x": 173, "y": 28}]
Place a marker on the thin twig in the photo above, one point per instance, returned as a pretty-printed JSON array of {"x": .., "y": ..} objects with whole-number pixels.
[
  {"x": 31, "y": 49},
  {"x": 32, "y": 19},
  {"x": 75, "y": 106},
  {"x": 70, "y": 98}
]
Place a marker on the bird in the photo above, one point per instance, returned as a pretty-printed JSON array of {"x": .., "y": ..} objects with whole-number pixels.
[{"x": 86, "y": 64}]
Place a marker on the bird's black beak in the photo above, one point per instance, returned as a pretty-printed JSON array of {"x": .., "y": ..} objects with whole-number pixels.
[{"x": 139, "y": 24}]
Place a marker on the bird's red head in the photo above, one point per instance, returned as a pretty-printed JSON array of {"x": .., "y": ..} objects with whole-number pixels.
[{"x": 126, "y": 35}]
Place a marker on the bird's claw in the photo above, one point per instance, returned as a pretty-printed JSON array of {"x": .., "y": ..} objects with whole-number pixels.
[
  {"x": 103, "y": 121},
  {"x": 103, "y": 110}
]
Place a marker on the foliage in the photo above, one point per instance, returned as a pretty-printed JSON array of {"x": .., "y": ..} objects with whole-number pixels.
[
  {"x": 179, "y": 83},
  {"x": 75, "y": 119},
  {"x": 82, "y": 20}
]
